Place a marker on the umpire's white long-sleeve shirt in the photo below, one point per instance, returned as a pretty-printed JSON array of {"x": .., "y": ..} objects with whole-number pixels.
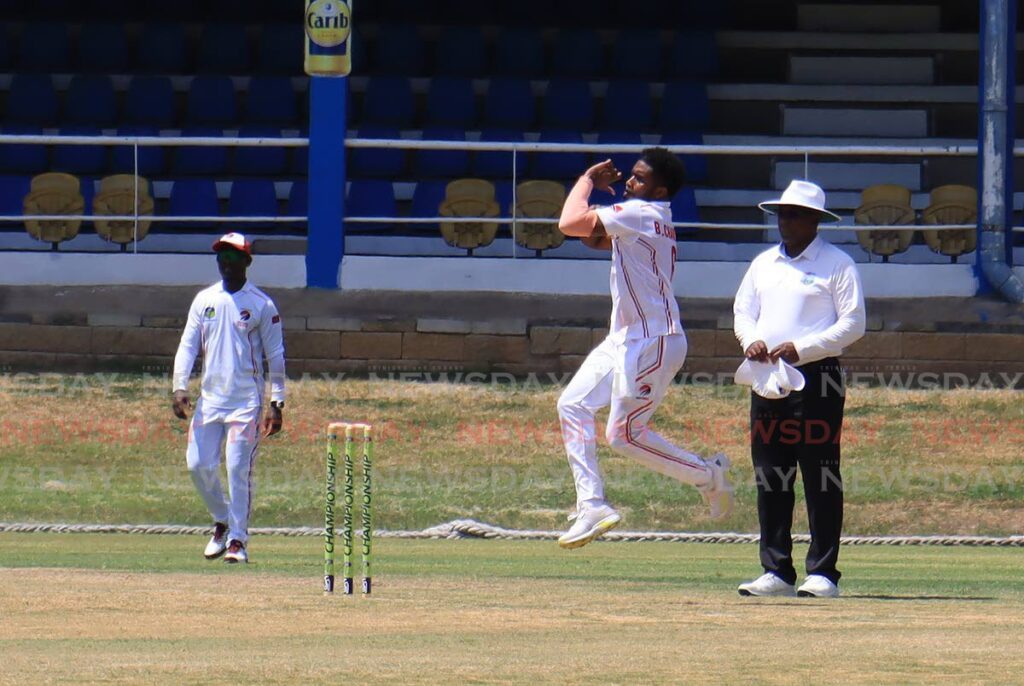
[
  {"x": 234, "y": 331},
  {"x": 814, "y": 300}
]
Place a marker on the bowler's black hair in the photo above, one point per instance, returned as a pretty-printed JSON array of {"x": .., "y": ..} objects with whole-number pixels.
[{"x": 667, "y": 168}]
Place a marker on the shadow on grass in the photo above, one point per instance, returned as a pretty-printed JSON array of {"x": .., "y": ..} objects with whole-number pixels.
[{"x": 882, "y": 596}]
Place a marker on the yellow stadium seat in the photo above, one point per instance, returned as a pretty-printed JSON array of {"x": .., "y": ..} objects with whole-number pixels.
[
  {"x": 952, "y": 204},
  {"x": 885, "y": 205},
  {"x": 117, "y": 197},
  {"x": 539, "y": 199},
  {"x": 54, "y": 193},
  {"x": 469, "y": 198}
]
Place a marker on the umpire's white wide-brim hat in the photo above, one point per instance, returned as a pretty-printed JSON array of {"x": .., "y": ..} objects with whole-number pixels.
[{"x": 802, "y": 194}]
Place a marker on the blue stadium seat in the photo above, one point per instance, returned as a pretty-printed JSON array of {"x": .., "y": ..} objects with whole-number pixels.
[
  {"x": 253, "y": 198},
  {"x": 151, "y": 157},
  {"x": 556, "y": 166},
  {"x": 684, "y": 209},
  {"x": 90, "y": 100},
  {"x": 32, "y": 100},
  {"x": 696, "y": 165},
  {"x": 299, "y": 164},
  {"x": 150, "y": 102},
  {"x": 451, "y": 102},
  {"x": 377, "y": 162},
  {"x": 623, "y": 161},
  {"x": 271, "y": 100},
  {"x": 87, "y": 186},
  {"x": 693, "y": 56},
  {"x": 298, "y": 200},
  {"x": 443, "y": 164},
  {"x": 568, "y": 105},
  {"x": 498, "y": 165},
  {"x": 44, "y": 48},
  {"x": 578, "y": 53},
  {"x": 79, "y": 159},
  {"x": 6, "y": 48},
  {"x": 162, "y": 49},
  {"x": 684, "y": 107},
  {"x": 637, "y": 54},
  {"x": 200, "y": 160},
  {"x": 193, "y": 198},
  {"x": 280, "y": 50},
  {"x": 519, "y": 52},
  {"x": 368, "y": 198},
  {"x": 102, "y": 49},
  {"x": 509, "y": 104},
  {"x": 398, "y": 50},
  {"x": 388, "y": 102},
  {"x": 265, "y": 161},
  {"x": 223, "y": 49},
  {"x": 461, "y": 51},
  {"x": 21, "y": 158},
  {"x": 426, "y": 202},
  {"x": 627, "y": 106},
  {"x": 211, "y": 100},
  {"x": 13, "y": 190}
]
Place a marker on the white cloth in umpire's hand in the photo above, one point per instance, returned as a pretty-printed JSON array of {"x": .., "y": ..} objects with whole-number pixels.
[{"x": 770, "y": 380}]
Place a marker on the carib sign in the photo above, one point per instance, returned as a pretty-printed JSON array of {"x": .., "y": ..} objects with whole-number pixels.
[{"x": 328, "y": 38}]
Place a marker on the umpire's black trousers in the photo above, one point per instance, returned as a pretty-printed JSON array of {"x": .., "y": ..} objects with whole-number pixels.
[{"x": 802, "y": 429}]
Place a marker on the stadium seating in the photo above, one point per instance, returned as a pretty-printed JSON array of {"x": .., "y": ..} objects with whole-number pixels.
[
  {"x": 90, "y": 100},
  {"x": 426, "y": 201},
  {"x": 578, "y": 54},
  {"x": 398, "y": 50},
  {"x": 102, "y": 49},
  {"x": 696, "y": 165},
  {"x": 371, "y": 198},
  {"x": 280, "y": 50},
  {"x": 44, "y": 48},
  {"x": 80, "y": 159},
  {"x": 377, "y": 162},
  {"x": 253, "y": 198},
  {"x": 200, "y": 160},
  {"x": 627, "y": 106},
  {"x": 451, "y": 102},
  {"x": 23, "y": 158},
  {"x": 446, "y": 164},
  {"x": 211, "y": 101},
  {"x": 684, "y": 107},
  {"x": 684, "y": 209},
  {"x": 461, "y": 51},
  {"x": 509, "y": 104},
  {"x": 271, "y": 100},
  {"x": 623, "y": 161},
  {"x": 951, "y": 204},
  {"x": 6, "y": 48},
  {"x": 539, "y": 199},
  {"x": 298, "y": 200},
  {"x": 151, "y": 157},
  {"x": 31, "y": 100},
  {"x": 889, "y": 205},
  {"x": 13, "y": 190},
  {"x": 495, "y": 164},
  {"x": 388, "y": 102},
  {"x": 54, "y": 193},
  {"x": 637, "y": 54},
  {"x": 265, "y": 161},
  {"x": 693, "y": 56},
  {"x": 117, "y": 197},
  {"x": 558, "y": 165},
  {"x": 162, "y": 49},
  {"x": 469, "y": 198},
  {"x": 150, "y": 102},
  {"x": 223, "y": 49},
  {"x": 519, "y": 52},
  {"x": 193, "y": 198},
  {"x": 568, "y": 105}
]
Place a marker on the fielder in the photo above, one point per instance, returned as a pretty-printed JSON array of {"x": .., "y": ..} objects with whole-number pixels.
[
  {"x": 235, "y": 325},
  {"x": 633, "y": 367}
]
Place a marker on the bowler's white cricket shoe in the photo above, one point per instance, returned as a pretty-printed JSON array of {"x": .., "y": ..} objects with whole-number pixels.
[
  {"x": 718, "y": 493},
  {"x": 236, "y": 552},
  {"x": 767, "y": 585},
  {"x": 218, "y": 542},
  {"x": 590, "y": 522},
  {"x": 817, "y": 586}
]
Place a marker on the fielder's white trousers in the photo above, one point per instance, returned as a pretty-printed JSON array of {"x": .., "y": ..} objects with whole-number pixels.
[
  {"x": 632, "y": 377},
  {"x": 237, "y": 430}
]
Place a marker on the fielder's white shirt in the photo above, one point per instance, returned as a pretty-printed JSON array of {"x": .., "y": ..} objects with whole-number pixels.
[
  {"x": 643, "y": 263},
  {"x": 234, "y": 331},
  {"x": 814, "y": 300}
]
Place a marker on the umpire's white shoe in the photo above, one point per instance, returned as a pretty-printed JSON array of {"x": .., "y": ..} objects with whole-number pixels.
[
  {"x": 590, "y": 523},
  {"x": 767, "y": 585},
  {"x": 817, "y": 586},
  {"x": 218, "y": 542},
  {"x": 236, "y": 552},
  {"x": 718, "y": 493}
]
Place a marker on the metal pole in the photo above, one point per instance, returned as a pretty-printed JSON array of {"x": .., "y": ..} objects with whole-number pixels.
[
  {"x": 135, "y": 180},
  {"x": 515, "y": 181}
]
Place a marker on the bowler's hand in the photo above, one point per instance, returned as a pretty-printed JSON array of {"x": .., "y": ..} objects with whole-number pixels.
[
  {"x": 604, "y": 175},
  {"x": 272, "y": 422},
  {"x": 758, "y": 351},
  {"x": 787, "y": 351},
  {"x": 181, "y": 404}
]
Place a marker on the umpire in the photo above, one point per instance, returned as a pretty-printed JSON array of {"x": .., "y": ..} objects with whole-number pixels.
[{"x": 800, "y": 301}]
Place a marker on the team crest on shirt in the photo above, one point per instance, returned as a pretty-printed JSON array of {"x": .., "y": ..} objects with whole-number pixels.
[
  {"x": 617, "y": 208},
  {"x": 807, "y": 279},
  {"x": 643, "y": 391},
  {"x": 209, "y": 312},
  {"x": 244, "y": 315}
]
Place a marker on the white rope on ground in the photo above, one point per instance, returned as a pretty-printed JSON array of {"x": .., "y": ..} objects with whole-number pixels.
[{"x": 469, "y": 528}]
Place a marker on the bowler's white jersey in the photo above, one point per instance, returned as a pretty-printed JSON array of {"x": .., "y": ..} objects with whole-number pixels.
[
  {"x": 234, "y": 331},
  {"x": 643, "y": 263}
]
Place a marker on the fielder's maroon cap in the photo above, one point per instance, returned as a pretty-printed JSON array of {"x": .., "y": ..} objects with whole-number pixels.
[{"x": 233, "y": 240}]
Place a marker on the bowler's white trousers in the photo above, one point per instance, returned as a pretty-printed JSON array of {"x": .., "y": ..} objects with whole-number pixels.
[
  {"x": 238, "y": 431},
  {"x": 632, "y": 377}
]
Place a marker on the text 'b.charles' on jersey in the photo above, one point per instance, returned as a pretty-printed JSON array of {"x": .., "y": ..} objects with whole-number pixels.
[
  {"x": 234, "y": 331},
  {"x": 643, "y": 264}
]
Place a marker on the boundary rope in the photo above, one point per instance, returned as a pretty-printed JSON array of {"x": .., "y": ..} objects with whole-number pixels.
[{"x": 472, "y": 529}]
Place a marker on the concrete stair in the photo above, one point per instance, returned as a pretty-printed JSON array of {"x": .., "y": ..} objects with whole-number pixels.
[
  {"x": 868, "y": 18},
  {"x": 816, "y": 121},
  {"x": 804, "y": 69}
]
